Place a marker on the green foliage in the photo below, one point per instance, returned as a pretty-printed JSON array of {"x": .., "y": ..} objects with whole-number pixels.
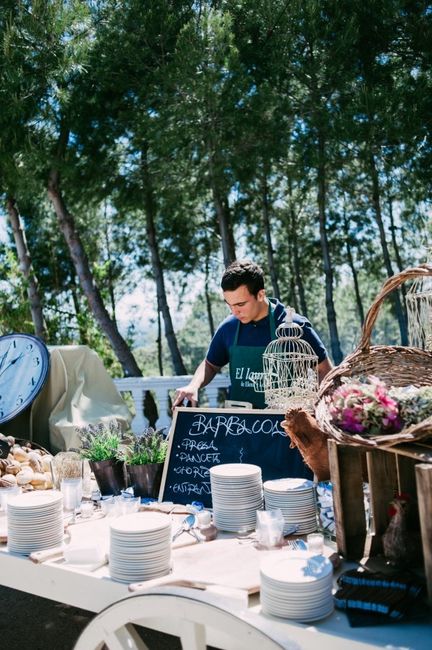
[
  {"x": 102, "y": 441},
  {"x": 149, "y": 447},
  {"x": 415, "y": 404},
  {"x": 220, "y": 97},
  {"x": 14, "y": 308}
]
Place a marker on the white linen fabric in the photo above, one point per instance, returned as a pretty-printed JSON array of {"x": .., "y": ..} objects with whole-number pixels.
[{"x": 78, "y": 391}]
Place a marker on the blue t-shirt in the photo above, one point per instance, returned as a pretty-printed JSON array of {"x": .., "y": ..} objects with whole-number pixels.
[{"x": 257, "y": 334}]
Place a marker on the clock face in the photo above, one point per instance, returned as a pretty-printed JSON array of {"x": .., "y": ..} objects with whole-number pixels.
[{"x": 24, "y": 365}]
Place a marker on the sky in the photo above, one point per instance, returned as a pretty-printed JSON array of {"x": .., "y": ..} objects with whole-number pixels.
[
  {"x": 3, "y": 234},
  {"x": 139, "y": 307}
]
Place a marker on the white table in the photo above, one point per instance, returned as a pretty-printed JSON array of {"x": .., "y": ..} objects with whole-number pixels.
[{"x": 94, "y": 591}]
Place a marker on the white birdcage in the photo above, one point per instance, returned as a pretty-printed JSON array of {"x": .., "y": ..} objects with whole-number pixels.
[
  {"x": 419, "y": 311},
  {"x": 290, "y": 369}
]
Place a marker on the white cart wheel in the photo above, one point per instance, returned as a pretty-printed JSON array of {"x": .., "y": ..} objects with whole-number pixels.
[{"x": 180, "y": 612}]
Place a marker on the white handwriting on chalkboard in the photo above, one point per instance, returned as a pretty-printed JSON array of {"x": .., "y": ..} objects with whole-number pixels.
[
  {"x": 212, "y": 457},
  {"x": 191, "y": 488},
  {"x": 199, "y": 445},
  {"x": 196, "y": 472},
  {"x": 233, "y": 425}
]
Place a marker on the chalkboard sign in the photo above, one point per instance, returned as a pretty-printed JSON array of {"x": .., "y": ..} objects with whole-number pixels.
[{"x": 200, "y": 438}]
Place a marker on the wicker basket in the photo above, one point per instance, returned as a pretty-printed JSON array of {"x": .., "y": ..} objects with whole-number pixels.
[{"x": 395, "y": 365}]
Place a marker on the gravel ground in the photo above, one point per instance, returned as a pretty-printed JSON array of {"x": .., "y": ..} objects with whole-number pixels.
[{"x": 31, "y": 623}]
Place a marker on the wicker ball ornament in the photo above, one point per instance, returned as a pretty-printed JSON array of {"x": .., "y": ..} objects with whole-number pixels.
[{"x": 290, "y": 369}]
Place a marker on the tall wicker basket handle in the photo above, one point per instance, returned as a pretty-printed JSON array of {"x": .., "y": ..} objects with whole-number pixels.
[{"x": 423, "y": 270}]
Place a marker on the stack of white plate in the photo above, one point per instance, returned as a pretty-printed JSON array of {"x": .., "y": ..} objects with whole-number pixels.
[
  {"x": 297, "y": 585},
  {"x": 35, "y": 521},
  {"x": 296, "y": 498},
  {"x": 140, "y": 547},
  {"x": 236, "y": 490}
]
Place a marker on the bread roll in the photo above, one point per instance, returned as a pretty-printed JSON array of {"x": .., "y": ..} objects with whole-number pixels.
[
  {"x": 25, "y": 476},
  {"x": 19, "y": 453},
  {"x": 8, "y": 480},
  {"x": 38, "y": 479}
]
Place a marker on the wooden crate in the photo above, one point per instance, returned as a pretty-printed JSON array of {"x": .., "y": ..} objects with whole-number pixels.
[{"x": 405, "y": 468}]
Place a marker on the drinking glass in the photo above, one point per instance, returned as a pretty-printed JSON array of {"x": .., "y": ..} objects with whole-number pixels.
[{"x": 71, "y": 489}]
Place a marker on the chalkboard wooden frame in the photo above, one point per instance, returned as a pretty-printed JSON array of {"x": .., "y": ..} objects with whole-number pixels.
[{"x": 200, "y": 438}]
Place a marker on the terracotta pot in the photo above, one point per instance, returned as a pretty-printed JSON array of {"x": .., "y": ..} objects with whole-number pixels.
[
  {"x": 109, "y": 475},
  {"x": 145, "y": 479}
]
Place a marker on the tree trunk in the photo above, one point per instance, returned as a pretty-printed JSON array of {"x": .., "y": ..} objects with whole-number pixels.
[
  {"x": 207, "y": 299},
  {"x": 268, "y": 237},
  {"x": 78, "y": 312},
  {"x": 350, "y": 258},
  {"x": 396, "y": 251},
  {"x": 295, "y": 252},
  {"x": 110, "y": 269},
  {"x": 67, "y": 226},
  {"x": 376, "y": 203},
  {"x": 223, "y": 215},
  {"x": 150, "y": 212},
  {"x": 27, "y": 270},
  {"x": 292, "y": 299},
  {"x": 328, "y": 270}
]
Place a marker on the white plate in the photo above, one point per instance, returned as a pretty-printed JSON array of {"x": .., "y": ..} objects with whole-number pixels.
[
  {"x": 288, "y": 485},
  {"x": 296, "y": 568},
  {"x": 141, "y": 522},
  {"x": 40, "y": 499},
  {"x": 235, "y": 470}
]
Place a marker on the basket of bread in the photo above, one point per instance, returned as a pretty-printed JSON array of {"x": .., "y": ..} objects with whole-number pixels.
[{"x": 24, "y": 464}]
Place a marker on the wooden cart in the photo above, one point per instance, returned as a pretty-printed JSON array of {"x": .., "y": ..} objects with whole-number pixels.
[{"x": 402, "y": 468}]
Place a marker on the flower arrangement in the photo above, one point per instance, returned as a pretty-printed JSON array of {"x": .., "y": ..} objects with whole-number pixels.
[
  {"x": 365, "y": 408},
  {"x": 102, "y": 441},
  {"x": 415, "y": 404},
  {"x": 150, "y": 447}
]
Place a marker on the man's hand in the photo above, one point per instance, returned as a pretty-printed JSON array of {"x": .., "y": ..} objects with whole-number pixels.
[
  {"x": 187, "y": 393},
  {"x": 203, "y": 376}
]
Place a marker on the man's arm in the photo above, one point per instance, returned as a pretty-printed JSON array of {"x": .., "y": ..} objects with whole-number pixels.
[
  {"x": 203, "y": 376},
  {"x": 323, "y": 368}
]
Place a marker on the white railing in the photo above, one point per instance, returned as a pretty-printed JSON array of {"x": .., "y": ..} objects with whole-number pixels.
[{"x": 160, "y": 388}]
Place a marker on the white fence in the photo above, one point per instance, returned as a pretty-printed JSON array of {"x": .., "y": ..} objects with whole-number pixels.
[{"x": 161, "y": 388}]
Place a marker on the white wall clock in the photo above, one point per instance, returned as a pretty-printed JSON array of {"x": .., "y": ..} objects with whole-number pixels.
[{"x": 24, "y": 367}]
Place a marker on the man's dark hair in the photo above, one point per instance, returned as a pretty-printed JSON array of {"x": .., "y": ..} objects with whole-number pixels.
[{"x": 243, "y": 272}]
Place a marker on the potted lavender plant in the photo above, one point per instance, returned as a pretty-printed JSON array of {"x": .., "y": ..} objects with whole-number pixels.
[
  {"x": 144, "y": 459},
  {"x": 101, "y": 445}
]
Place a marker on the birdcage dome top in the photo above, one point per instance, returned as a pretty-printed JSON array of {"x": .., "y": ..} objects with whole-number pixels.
[
  {"x": 290, "y": 367},
  {"x": 289, "y": 339}
]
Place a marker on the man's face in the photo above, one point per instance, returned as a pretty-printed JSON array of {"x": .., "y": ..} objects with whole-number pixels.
[{"x": 245, "y": 306}]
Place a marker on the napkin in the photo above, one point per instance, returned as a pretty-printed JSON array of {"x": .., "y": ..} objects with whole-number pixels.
[{"x": 84, "y": 553}]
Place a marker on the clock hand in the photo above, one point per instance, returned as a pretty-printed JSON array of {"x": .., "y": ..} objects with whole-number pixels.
[
  {"x": 3, "y": 357},
  {"x": 11, "y": 362}
]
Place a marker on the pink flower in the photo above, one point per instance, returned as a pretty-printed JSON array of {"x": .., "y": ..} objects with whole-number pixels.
[{"x": 365, "y": 407}]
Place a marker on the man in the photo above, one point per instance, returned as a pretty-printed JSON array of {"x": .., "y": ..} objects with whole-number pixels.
[{"x": 242, "y": 337}]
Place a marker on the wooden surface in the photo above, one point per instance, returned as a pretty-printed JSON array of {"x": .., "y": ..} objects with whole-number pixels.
[
  {"x": 419, "y": 451},
  {"x": 348, "y": 499},
  {"x": 94, "y": 591},
  {"x": 389, "y": 472},
  {"x": 382, "y": 487},
  {"x": 424, "y": 492},
  {"x": 237, "y": 566},
  {"x": 194, "y": 563}
]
